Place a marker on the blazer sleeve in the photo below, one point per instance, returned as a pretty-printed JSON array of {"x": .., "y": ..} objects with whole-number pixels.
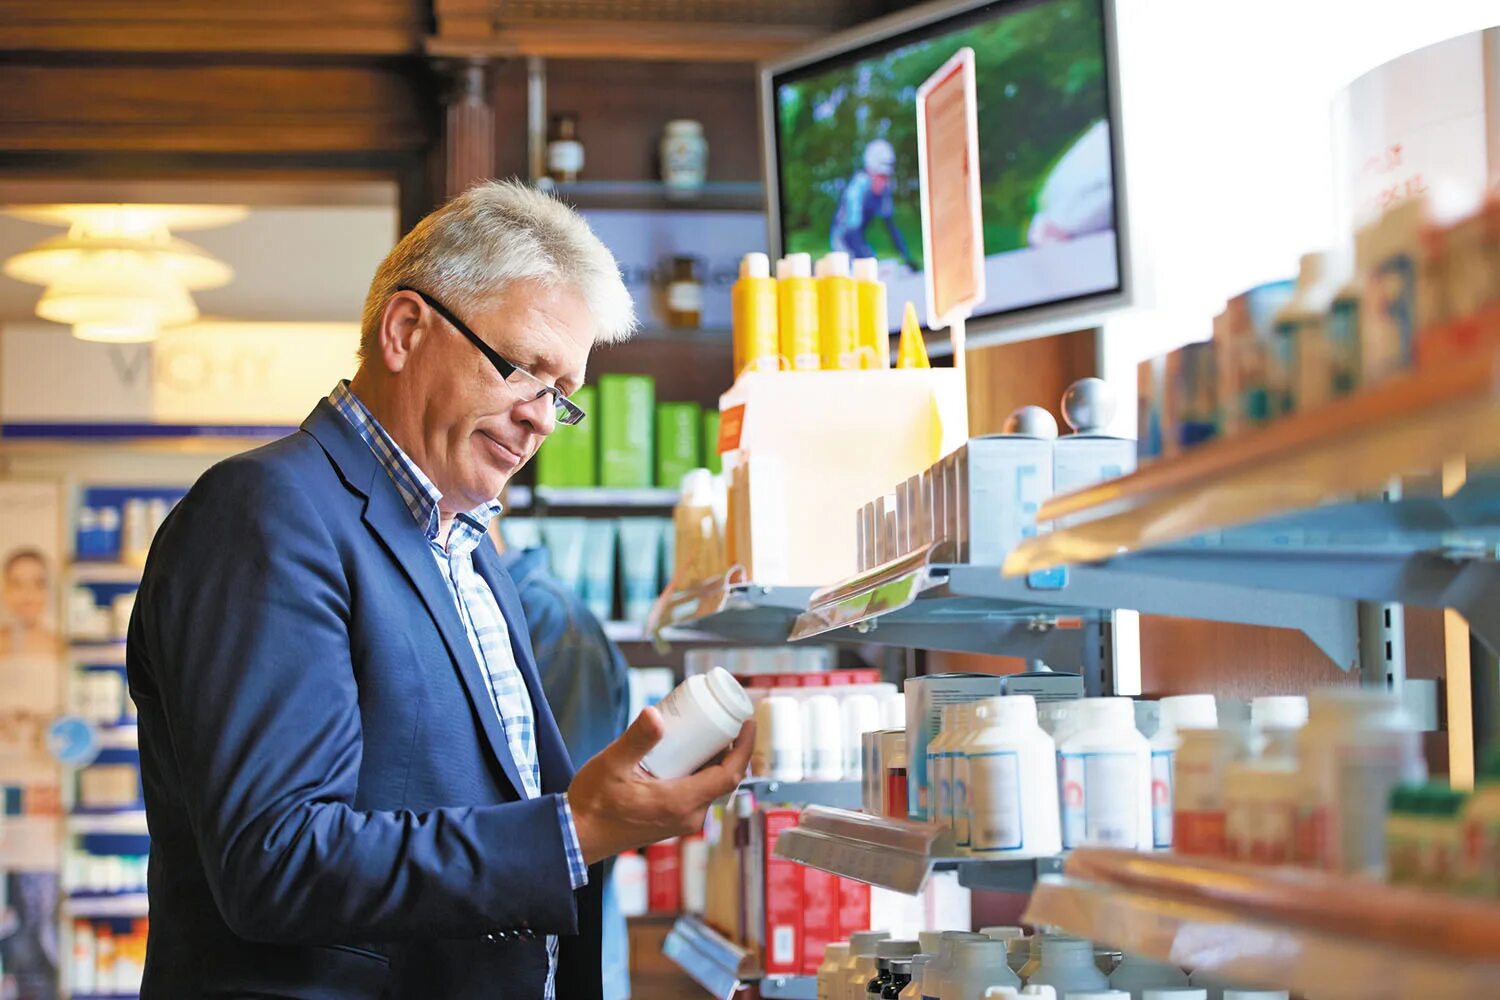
[{"x": 244, "y": 624}]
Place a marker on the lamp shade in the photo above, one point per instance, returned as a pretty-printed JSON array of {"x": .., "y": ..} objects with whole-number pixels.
[
  {"x": 119, "y": 302},
  {"x": 52, "y": 258}
]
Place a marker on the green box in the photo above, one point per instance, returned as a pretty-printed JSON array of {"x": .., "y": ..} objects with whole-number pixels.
[
  {"x": 627, "y": 411},
  {"x": 712, "y": 460},
  {"x": 570, "y": 455},
  {"x": 678, "y": 449}
]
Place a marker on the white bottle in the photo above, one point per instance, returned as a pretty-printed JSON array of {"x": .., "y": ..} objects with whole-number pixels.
[
  {"x": 1135, "y": 975},
  {"x": 1012, "y": 783},
  {"x": 937, "y": 969},
  {"x": 703, "y": 715},
  {"x": 1209, "y": 983},
  {"x": 859, "y": 969},
  {"x": 778, "y": 751},
  {"x": 1276, "y": 720},
  {"x": 1041, "y": 991},
  {"x": 1067, "y": 965},
  {"x": 1198, "y": 794},
  {"x": 822, "y": 739},
  {"x": 1105, "y": 771},
  {"x": 976, "y": 966},
  {"x": 1357, "y": 746},
  {"x": 861, "y": 714},
  {"x": 913, "y": 989},
  {"x": 893, "y": 710},
  {"x": 940, "y": 753},
  {"x": 1176, "y": 712},
  {"x": 973, "y": 721},
  {"x": 834, "y": 956}
]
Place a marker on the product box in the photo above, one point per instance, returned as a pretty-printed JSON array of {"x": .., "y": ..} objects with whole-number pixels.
[
  {"x": 1148, "y": 416},
  {"x": 678, "y": 449},
  {"x": 664, "y": 877},
  {"x": 820, "y": 917},
  {"x": 712, "y": 460},
  {"x": 1253, "y": 328},
  {"x": 627, "y": 414},
  {"x": 781, "y": 935},
  {"x": 854, "y": 907},
  {"x": 1193, "y": 395},
  {"x": 570, "y": 455},
  {"x": 1002, "y": 481},
  {"x": 925, "y": 697},
  {"x": 1399, "y": 295},
  {"x": 1081, "y": 460},
  {"x": 1044, "y": 686}
]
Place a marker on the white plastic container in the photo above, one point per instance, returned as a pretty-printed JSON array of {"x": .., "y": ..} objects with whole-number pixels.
[
  {"x": 1105, "y": 773},
  {"x": 940, "y": 753},
  {"x": 1067, "y": 964},
  {"x": 974, "y": 720},
  {"x": 1276, "y": 720},
  {"x": 861, "y": 960},
  {"x": 975, "y": 966},
  {"x": 860, "y": 714},
  {"x": 893, "y": 710},
  {"x": 822, "y": 739},
  {"x": 937, "y": 968},
  {"x": 703, "y": 715},
  {"x": 779, "y": 743},
  {"x": 1357, "y": 746},
  {"x": 1060, "y": 718},
  {"x": 1135, "y": 975},
  {"x": 1012, "y": 783},
  {"x": 1198, "y": 788},
  {"x": 913, "y": 989},
  {"x": 1260, "y": 810},
  {"x": 834, "y": 957},
  {"x": 1176, "y": 712}
]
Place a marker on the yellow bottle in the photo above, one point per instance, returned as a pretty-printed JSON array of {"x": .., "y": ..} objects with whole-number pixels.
[
  {"x": 874, "y": 336},
  {"x": 911, "y": 352},
  {"x": 797, "y": 295},
  {"x": 756, "y": 344},
  {"x": 837, "y": 313}
]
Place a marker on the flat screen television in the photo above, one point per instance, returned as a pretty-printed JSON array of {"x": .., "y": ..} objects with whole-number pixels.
[{"x": 841, "y": 154}]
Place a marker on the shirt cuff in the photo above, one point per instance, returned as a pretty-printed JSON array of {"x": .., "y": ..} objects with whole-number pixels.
[{"x": 577, "y": 869}]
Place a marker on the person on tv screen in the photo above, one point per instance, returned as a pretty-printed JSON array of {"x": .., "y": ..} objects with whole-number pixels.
[{"x": 869, "y": 195}]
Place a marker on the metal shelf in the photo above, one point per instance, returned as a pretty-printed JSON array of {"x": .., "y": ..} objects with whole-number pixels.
[
  {"x": 732, "y": 608},
  {"x": 1315, "y": 934},
  {"x": 126, "y": 904},
  {"x": 837, "y": 794},
  {"x": 711, "y": 960}
]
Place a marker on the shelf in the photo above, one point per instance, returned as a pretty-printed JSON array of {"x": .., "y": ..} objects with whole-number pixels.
[
  {"x": 104, "y": 572},
  {"x": 131, "y": 822},
  {"x": 101, "y": 651},
  {"x": 734, "y": 196},
  {"x": 635, "y": 632},
  {"x": 127, "y": 904},
  {"x": 711, "y": 960},
  {"x": 117, "y": 737},
  {"x": 655, "y": 497},
  {"x": 1317, "y": 934},
  {"x": 732, "y": 608},
  {"x": 921, "y": 602},
  {"x": 837, "y": 794}
]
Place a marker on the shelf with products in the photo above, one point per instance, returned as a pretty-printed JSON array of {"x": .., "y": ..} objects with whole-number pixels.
[
  {"x": 104, "y": 572},
  {"x": 651, "y": 497},
  {"x": 1312, "y": 933},
  {"x": 122, "y": 904},
  {"x": 731, "y": 196},
  {"x": 711, "y": 960},
  {"x": 834, "y": 794},
  {"x": 732, "y": 608},
  {"x": 129, "y": 822},
  {"x": 897, "y": 854}
]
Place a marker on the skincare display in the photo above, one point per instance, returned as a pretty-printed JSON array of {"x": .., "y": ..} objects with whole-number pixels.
[
  {"x": 614, "y": 565},
  {"x": 108, "y": 956}
]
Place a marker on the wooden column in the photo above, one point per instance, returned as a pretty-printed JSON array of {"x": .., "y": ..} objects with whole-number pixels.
[{"x": 468, "y": 126}]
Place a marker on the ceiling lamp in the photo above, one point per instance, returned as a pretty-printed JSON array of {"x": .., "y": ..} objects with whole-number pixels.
[{"x": 119, "y": 275}]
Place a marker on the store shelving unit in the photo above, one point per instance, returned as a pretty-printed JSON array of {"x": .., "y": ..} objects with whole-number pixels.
[
  {"x": 1324, "y": 935},
  {"x": 722, "y": 967},
  {"x": 104, "y": 572},
  {"x": 131, "y": 822},
  {"x": 835, "y": 794},
  {"x": 123, "y": 904},
  {"x": 656, "y": 498},
  {"x": 117, "y": 737},
  {"x": 731, "y": 607},
  {"x": 733, "y": 196}
]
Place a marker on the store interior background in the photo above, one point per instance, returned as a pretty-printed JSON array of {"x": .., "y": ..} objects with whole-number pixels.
[{"x": 341, "y": 125}]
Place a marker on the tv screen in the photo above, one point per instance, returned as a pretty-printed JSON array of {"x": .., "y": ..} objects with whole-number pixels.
[{"x": 842, "y": 157}]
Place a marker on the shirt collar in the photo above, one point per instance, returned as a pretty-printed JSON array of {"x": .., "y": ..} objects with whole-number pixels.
[{"x": 417, "y": 491}]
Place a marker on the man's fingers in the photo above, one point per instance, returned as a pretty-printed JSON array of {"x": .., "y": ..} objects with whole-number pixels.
[{"x": 644, "y": 733}]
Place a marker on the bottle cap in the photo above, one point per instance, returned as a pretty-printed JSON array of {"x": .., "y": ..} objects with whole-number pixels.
[
  {"x": 729, "y": 695},
  {"x": 862, "y": 943},
  {"x": 1278, "y": 711},
  {"x": 896, "y": 949},
  {"x": 1005, "y": 933},
  {"x": 1006, "y": 711},
  {"x": 866, "y": 269},
  {"x": 798, "y": 265},
  {"x": 834, "y": 264},
  {"x": 1108, "y": 712},
  {"x": 1189, "y": 711},
  {"x": 755, "y": 265}
]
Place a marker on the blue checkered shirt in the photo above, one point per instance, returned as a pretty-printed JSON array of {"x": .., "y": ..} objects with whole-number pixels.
[{"x": 485, "y": 625}]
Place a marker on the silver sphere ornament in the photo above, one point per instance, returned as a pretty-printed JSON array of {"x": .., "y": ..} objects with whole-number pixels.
[
  {"x": 1089, "y": 406},
  {"x": 1032, "y": 421}
]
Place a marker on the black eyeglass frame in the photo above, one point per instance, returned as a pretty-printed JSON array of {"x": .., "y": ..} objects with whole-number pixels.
[{"x": 568, "y": 412}]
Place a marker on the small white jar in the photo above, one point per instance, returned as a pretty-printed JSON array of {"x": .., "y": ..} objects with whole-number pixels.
[
  {"x": 778, "y": 750},
  {"x": 684, "y": 155},
  {"x": 1104, "y": 771},
  {"x": 703, "y": 715},
  {"x": 822, "y": 739}
]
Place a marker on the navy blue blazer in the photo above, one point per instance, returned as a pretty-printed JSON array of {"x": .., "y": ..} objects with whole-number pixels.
[{"x": 333, "y": 808}]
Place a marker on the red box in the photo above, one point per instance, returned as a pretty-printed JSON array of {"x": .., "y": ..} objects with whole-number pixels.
[
  {"x": 839, "y": 678},
  {"x": 854, "y": 907},
  {"x": 782, "y": 953},
  {"x": 758, "y": 680},
  {"x": 664, "y": 877},
  {"x": 820, "y": 916}
]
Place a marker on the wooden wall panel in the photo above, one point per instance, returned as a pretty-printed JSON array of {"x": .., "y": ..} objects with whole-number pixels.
[{"x": 1032, "y": 372}]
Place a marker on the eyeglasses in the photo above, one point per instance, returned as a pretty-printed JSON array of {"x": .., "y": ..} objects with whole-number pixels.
[{"x": 528, "y": 385}]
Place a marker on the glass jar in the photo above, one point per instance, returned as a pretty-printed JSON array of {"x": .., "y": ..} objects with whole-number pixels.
[
  {"x": 684, "y": 155},
  {"x": 564, "y": 151},
  {"x": 684, "y": 293}
]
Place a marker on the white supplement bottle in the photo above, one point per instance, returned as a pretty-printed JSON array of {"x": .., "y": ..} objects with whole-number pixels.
[
  {"x": 893, "y": 710},
  {"x": 940, "y": 765},
  {"x": 1358, "y": 745},
  {"x": 1174, "y": 713},
  {"x": 834, "y": 956},
  {"x": 822, "y": 739},
  {"x": 1135, "y": 975},
  {"x": 1276, "y": 720},
  {"x": 703, "y": 715},
  {"x": 976, "y": 966},
  {"x": 1068, "y": 962},
  {"x": 1105, "y": 776},
  {"x": 974, "y": 720},
  {"x": 937, "y": 968},
  {"x": 1012, "y": 784},
  {"x": 861, "y": 961},
  {"x": 778, "y": 739},
  {"x": 1198, "y": 788},
  {"x": 861, "y": 714}
]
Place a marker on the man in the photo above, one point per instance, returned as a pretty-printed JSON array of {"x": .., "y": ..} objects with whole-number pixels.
[
  {"x": 869, "y": 195},
  {"x": 354, "y": 786}
]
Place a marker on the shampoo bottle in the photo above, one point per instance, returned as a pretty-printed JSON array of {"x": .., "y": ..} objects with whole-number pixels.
[
  {"x": 755, "y": 306},
  {"x": 797, "y": 300},
  {"x": 874, "y": 338},
  {"x": 837, "y": 312}
]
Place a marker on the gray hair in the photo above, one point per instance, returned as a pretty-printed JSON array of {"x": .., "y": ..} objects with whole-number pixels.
[{"x": 494, "y": 234}]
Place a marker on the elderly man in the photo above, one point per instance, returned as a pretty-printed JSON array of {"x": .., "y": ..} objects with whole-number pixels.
[{"x": 354, "y": 785}]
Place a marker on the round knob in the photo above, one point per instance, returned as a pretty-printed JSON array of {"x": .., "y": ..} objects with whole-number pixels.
[
  {"x": 1089, "y": 405},
  {"x": 1031, "y": 421}
]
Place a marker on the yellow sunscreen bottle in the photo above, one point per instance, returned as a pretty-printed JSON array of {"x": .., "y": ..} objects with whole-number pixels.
[
  {"x": 797, "y": 295},
  {"x": 837, "y": 312},
  {"x": 874, "y": 336},
  {"x": 756, "y": 345},
  {"x": 911, "y": 351}
]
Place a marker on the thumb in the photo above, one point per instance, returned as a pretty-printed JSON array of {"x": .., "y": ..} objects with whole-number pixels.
[{"x": 644, "y": 733}]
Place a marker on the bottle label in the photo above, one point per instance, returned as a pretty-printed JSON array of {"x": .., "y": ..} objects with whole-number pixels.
[
  {"x": 995, "y": 822},
  {"x": 1161, "y": 798},
  {"x": 1100, "y": 799},
  {"x": 564, "y": 156},
  {"x": 961, "y": 830},
  {"x": 685, "y": 296},
  {"x": 1273, "y": 833},
  {"x": 1199, "y": 832}
]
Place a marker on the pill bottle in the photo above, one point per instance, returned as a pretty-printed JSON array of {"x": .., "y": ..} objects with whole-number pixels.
[
  {"x": 1105, "y": 776},
  {"x": 822, "y": 739},
  {"x": 937, "y": 967},
  {"x": 1276, "y": 720},
  {"x": 1012, "y": 783},
  {"x": 779, "y": 745},
  {"x": 702, "y": 716},
  {"x": 1067, "y": 963},
  {"x": 974, "y": 720},
  {"x": 835, "y": 954},
  {"x": 886, "y": 953},
  {"x": 1198, "y": 788},
  {"x": 975, "y": 966},
  {"x": 860, "y": 714},
  {"x": 940, "y": 753},
  {"x": 900, "y": 978},
  {"x": 1260, "y": 810},
  {"x": 861, "y": 959},
  {"x": 1198, "y": 711},
  {"x": 1136, "y": 974},
  {"x": 913, "y": 988}
]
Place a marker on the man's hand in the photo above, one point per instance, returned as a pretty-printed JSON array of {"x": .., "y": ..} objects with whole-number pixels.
[{"x": 617, "y": 806}]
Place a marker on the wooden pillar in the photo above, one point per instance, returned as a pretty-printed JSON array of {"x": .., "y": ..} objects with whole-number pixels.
[{"x": 468, "y": 126}]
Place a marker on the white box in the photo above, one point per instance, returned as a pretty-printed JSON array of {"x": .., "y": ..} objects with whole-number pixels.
[
  {"x": 1082, "y": 460},
  {"x": 925, "y": 697},
  {"x": 1008, "y": 478}
]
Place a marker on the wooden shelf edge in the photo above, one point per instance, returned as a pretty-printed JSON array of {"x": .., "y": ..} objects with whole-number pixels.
[{"x": 626, "y": 40}]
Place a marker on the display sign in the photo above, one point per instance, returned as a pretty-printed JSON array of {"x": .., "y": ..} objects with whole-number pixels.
[{"x": 952, "y": 227}]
